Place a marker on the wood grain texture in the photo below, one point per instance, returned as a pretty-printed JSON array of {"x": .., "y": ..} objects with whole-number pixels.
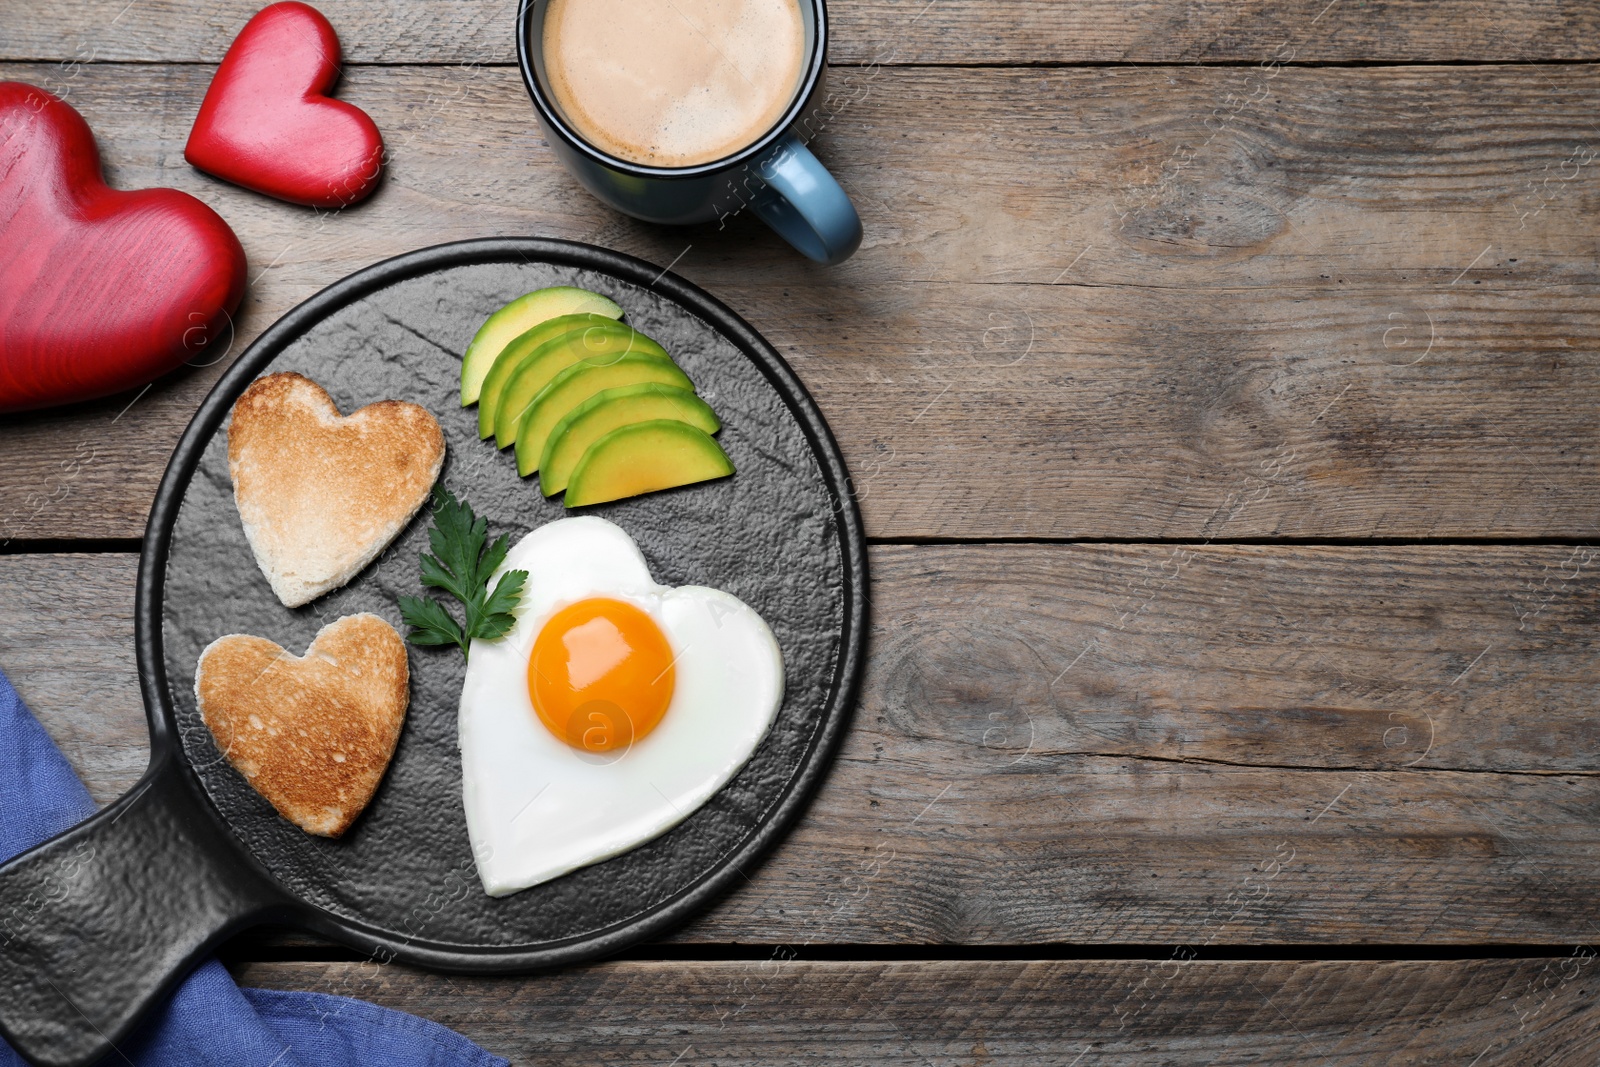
[
  {"x": 941, "y": 1013},
  {"x": 66, "y": 645},
  {"x": 884, "y": 31},
  {"x": 1098, "y": 744},
  {"x": 1178, "y": 303}
]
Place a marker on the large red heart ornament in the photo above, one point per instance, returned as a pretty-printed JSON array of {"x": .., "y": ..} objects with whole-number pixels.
[
  {"x": 100, "y": 290},
  {"x": 268, "y": 124}
]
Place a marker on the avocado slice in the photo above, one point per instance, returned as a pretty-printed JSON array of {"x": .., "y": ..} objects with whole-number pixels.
[
  {"x": 593, "y": 344},
  {"x": 514, "y": 354},
  {"x": 517, "y": 317},
  {"x": 578, "y": 383},
  {"x": 608, "y": 410},
  {"x": 644, "y": 457}
]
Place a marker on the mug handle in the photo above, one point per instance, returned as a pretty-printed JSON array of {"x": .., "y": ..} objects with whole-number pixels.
[{"x": 805, "y": 204}]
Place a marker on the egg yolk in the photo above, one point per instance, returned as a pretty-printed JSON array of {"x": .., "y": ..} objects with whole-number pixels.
[{"x": 600, "y": 674}]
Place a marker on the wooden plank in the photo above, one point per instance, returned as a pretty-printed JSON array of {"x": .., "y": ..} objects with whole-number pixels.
[
  {"x": 1361, "y": 305},
  {"x": 1099, "y": 744},
  {"x": 66, "y": 644},
  {"x": 1178, "y": 178},
  {"x": 1103, "y": 1012},
  {"x": 884, "y": 31},
  {"x": 1369, "y": 659}
]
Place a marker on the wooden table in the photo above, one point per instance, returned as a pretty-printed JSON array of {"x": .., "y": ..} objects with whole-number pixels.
[{"x": 1220, "y": 383}]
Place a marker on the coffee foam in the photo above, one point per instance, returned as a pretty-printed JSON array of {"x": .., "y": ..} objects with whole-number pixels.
[{"x": 673, "y": 83}]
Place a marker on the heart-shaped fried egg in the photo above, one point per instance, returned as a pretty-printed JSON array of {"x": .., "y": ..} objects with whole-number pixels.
[{"x": 610, "y": 712}]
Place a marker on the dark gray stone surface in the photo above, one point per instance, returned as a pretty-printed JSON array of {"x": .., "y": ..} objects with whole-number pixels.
[{"x": 768, "y": 535}]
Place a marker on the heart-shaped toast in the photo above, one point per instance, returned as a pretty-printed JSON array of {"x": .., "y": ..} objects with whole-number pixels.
[
  {"x": 321, "y": 495},
  {"x": 268, "y": 124},
  {"x": 100, "y": 290},
  {"x": 312, "y": 734}
]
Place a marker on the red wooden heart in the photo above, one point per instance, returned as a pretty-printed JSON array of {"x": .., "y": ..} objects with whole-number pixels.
[
  {"x": 100, "y": 290},
  {"x": 266, "y": 124}
]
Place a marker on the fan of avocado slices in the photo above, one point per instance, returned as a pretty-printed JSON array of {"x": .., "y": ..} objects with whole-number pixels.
[{"x": 597, "y": 409}]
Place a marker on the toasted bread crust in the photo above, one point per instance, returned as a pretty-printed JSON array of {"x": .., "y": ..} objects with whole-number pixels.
[
  {"x": 312, "y": 734},
  {"x": 322, "y": 495}
]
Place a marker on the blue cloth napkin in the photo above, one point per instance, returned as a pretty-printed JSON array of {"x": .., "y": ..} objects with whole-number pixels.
[{"x": 209, "y": 1019}]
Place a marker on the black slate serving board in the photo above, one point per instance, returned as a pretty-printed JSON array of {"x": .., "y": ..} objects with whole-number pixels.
[{"x": 783, "y": 535}]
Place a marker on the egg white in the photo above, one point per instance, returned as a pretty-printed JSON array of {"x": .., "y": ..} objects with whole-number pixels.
[{"x": 538, "y": 808}]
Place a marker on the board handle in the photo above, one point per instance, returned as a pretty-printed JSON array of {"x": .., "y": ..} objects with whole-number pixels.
[{"x": 99, "y": 923}]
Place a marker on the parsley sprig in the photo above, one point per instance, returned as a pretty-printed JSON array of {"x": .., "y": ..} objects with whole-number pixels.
[{"x": 461, "y": 565}]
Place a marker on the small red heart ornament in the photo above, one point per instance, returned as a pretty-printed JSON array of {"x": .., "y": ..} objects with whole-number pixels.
[
  {"x": 100, "y": 290},
  {"x": 268, "y": 125}
]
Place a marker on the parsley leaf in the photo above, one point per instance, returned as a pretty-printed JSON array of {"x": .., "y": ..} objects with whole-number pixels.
[
  {"x": 432, "y": 623},
  {"x": 461, "y": 565},
  {"x": 495, "y": 617}
]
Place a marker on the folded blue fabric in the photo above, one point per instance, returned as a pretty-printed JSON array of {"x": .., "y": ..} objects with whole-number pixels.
[{"x": 209, "y": 1020}]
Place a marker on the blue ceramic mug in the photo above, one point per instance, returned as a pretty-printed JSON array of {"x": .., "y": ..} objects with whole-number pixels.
[{"x": 776, "y": 176}]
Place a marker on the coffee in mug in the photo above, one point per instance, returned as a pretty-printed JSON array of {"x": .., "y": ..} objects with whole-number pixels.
[{"x": 673, "y": 83}]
